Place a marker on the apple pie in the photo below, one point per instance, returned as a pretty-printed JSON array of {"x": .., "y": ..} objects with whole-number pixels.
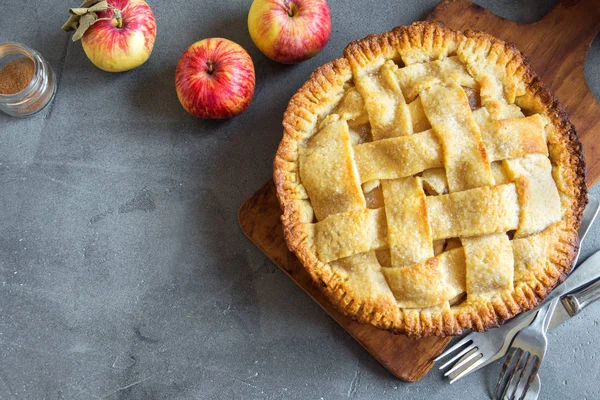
[{"x": 430, "y": 182}]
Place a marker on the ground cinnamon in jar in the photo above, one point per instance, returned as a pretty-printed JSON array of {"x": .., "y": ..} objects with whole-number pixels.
[{"x": 15, "y": 76}]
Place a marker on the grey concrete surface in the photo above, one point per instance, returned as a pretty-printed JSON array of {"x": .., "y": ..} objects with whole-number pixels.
[{"x": 123, "y": 272}]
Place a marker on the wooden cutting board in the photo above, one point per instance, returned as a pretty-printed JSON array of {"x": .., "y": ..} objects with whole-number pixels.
[{"x": 557, "y": 46}]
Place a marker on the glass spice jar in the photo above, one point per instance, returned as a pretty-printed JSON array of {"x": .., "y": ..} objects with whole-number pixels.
[{"x": 36, "y": 94}]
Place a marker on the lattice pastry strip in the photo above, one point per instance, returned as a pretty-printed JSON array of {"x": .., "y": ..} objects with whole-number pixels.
[
  {"x": 419, "y": 119},
  {"x": 409, "y": 155},
  {"x": 465, "y": 158},
  {"x": 398, "y": 157},
  {"x": 479, "y": 211},
  {"x": 408, "y": 230},
  {"x": 532, "y": 253},
  {"x": 351, "y": 106},
  {"x": 418, "y": 77},
  {"x": 345, "y": 234},
  {"x": 328, "y": 171},
  {"x": 538, "y": 195},
  {"x": 388, "y": 112},
  {"x": 414, "y": 287},
  {"x": 515, "y": 137},
  {"x": 489, "y": 264}
]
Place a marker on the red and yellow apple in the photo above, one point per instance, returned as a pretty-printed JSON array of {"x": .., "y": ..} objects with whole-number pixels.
[
  {"x": 289, "y": 31},
  {"x": 123, "y": 36},
  {"x": 215, "y": 79}
]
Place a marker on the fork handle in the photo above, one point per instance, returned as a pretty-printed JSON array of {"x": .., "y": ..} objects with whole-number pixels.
[{"x": 551, "y": 306}]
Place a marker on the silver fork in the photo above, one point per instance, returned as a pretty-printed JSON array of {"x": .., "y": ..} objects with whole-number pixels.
[
  {"x": 524, "y": 357},
  {"x": 480, "y": 349}
]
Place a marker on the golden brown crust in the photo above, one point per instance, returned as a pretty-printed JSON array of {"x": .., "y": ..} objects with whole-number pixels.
[{"x": 316, "y": 98}]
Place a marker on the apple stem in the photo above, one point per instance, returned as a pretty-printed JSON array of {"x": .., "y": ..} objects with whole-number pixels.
[
  {"x": 118, "y": 16},
  {"x": 210, "y": 67},
  {"x": 288, "y": 8}
]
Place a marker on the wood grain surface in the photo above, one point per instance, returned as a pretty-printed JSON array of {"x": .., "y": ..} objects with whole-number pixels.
[{"x": 557, "y": 47}]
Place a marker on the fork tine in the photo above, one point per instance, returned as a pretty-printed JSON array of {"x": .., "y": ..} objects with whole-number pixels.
[
  {"x": 466, "y": 371},
  {"x": 503, "y": 372},
  {"x": 458, "y": 355},
  {"x": 534, "y": 371},
  {"x": 528, "y": 358},
  {"x": 466, "y": 361},
  {"x": 454, "y": 347},
  {"x": 512, "y": 374},
  {"x": 507, "y": 361}
]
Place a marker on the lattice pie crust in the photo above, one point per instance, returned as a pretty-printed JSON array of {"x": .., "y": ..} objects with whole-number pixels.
[{"x": 429, "y": 182}]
